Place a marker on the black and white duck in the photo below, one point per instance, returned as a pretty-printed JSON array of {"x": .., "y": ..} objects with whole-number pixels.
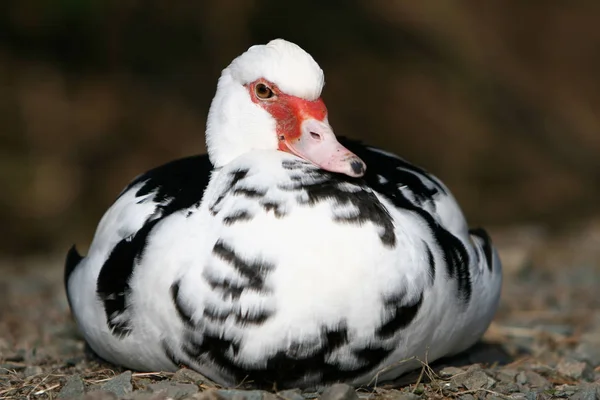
[{"x": 286, "y": 255}]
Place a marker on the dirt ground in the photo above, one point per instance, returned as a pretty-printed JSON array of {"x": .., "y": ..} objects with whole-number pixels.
[{"x": 544, "y": 342}]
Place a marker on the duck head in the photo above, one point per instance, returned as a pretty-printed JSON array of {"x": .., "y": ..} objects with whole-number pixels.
[{"x": 268, "y": 98}]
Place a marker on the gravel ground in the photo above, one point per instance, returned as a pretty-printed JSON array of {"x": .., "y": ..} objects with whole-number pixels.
[{"x": 543, "y": 344}]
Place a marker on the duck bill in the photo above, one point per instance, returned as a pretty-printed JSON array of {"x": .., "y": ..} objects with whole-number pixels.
[{"x": 317, "y": 143}]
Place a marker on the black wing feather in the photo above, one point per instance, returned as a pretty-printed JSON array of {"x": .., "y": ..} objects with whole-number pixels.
[
  {"x": 399, "y": 172},
  {"x": 71, "y": 262},
  {"x": 175, "y": 186}
]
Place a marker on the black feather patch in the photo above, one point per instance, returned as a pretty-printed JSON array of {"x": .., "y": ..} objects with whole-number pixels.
[
  {"x": 402, "y": 316},
  {"x": 298, "y": 363},
  {"x": 253, "y": 274},
  {"x": 321, "y": 186},
  {"x": 273, "y": 206},
  {"x": 431, "y": 262},
  {"x": 487, "y": 246},
  {"x": 182, "y": 310},
  {"x": 73, "y": 259},
  {"x": 175, "y": 186},
  {"x": 113, "y": 280},
  {"x": 400, "y": 173},
  {"x": 234, "y": 177},
  {"x": 254, "y": 271},
  {"x": 237, "y": 216}
]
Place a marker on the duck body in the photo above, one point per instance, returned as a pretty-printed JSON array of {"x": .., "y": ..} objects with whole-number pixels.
[{"x": 272, "y": 270}]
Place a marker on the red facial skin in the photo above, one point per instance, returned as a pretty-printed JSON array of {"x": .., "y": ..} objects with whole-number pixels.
[
  {"x": 302, "y": 129},
  {"x": 288, "y": 111}
]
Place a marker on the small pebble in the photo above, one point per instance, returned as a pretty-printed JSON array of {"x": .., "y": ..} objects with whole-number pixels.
[
  {"x": 450, "y": 388},
  {"x": 245, "y": 394},
  {"x": 73, "y": 388},
  {"x": 339, "y": 391},
  {"x": 589, "y": 349},
  {"x": 388, "y": 394},
  {"x": 565, "y": 391},
  {"x": 473, "y": 378},
  {"x": 100, "y": 395},
  {"x": 533, "y": 379},
  {"x": 120, "y": 385},
  {"x": 142, "y": 383},
  {"x": 32, "y": 371},
  {"x": 141, "y": 395},
  {"x": 210, "y": 394},
  {"x": 506, "y": 387},
  {"x": 524, "y": 396},
  {"x": 507, "y": 375},
  {"x": 173, "y": 390},
  {"x": 291, "y": 394},
  {"x": 575, "y": 369},
  {"x": 585, "y": 394}
]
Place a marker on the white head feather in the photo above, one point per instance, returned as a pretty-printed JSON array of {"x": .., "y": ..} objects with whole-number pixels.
[{"x": 235, "y": 124}]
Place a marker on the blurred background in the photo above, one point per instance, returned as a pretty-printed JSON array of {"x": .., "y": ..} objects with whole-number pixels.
[{"x": 501, "y": 100}]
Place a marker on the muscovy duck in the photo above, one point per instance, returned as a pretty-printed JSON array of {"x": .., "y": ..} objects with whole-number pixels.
[{"x": 285, "y": 256}]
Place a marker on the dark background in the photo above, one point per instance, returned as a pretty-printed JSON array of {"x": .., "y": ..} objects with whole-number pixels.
[{"x": 500, "y": 99}]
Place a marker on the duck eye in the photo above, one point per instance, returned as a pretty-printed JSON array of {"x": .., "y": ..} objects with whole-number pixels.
[{"x": 263, "y": 91}]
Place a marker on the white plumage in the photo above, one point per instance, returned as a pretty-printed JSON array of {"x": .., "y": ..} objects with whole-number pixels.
[{"x": 280, "y": 260}]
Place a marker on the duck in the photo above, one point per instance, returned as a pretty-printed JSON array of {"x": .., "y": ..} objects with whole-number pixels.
[{"x": 286, "y": 257}]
